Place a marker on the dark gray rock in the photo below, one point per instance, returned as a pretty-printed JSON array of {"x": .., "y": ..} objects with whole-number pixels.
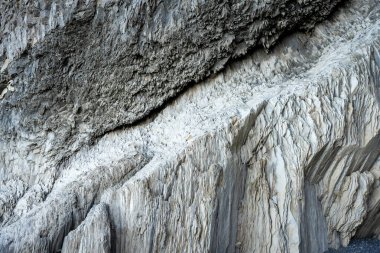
[
  {"x": 277, "y": 153},
  {"x": 82, "y": 68}
]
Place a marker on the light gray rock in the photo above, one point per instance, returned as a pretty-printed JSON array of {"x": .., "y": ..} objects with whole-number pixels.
[
  {"x": 279, "y": 152},
  {"x": 95, "y": 232},
  {"x": 73, "y": 70}
]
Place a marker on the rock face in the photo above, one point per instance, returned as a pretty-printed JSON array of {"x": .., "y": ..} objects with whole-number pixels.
[
  {"x": 277, "y": 152},
  {"x": 73, "y": 70},
  {"x": 95, "y": 233}
]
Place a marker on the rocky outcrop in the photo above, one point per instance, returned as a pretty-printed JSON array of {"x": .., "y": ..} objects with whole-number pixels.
[
  {"x": 279, "y": 152},
  {"x": 95, "y": 231},
  {"x": 73, "y": 70}
]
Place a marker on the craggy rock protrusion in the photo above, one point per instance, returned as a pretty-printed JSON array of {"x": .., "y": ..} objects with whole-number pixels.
[
  {"x": 82, "y": 68},
  {"x": 277, "y": 153},
  {"x": 93, "y": 235}
]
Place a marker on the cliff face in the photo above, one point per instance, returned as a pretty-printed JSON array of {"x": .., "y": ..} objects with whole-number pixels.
[
  {"x": 277, "y": 152},
  {"x": 78, "y": 69}
]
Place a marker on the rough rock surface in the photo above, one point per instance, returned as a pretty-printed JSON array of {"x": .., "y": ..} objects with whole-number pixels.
[
  {"x": 94, "y": 231},
  {"x": 74, "y": 70},
  {"x": 279, "y": 152}
]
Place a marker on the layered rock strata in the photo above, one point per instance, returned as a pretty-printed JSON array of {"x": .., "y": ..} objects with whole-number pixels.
[
  {"x": 277, "y": 153},
  {"x": 72, "y": 71}
]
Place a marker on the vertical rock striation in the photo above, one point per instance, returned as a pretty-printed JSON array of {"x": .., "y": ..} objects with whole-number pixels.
[
  {"x": 95, "y": 231},
  {"x": 279, "y": 152},
  {"x": 73, "y": 70}
]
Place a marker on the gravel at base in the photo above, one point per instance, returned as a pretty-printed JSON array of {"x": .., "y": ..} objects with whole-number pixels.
[{"x": 360, "y": 246}]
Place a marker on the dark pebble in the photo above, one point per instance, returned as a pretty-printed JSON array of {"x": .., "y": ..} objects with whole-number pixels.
[{"x": 359, "y": 246}]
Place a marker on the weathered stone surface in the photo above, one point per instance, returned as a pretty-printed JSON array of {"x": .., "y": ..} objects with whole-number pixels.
[
  {"x": 73, "y": 70},
  {"x": 277, "y": 153},
  {"x": 95, "y": 233}
]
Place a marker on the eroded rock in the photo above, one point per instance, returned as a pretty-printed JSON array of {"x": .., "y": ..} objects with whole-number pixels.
[{"x": 277, "y": 153}]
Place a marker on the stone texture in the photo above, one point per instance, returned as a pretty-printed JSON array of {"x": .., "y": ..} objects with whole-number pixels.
[
  {"x": 279, "y": 152},
  {"x": 94, "y": 231},
  {"x": 73, "y": 70}
]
